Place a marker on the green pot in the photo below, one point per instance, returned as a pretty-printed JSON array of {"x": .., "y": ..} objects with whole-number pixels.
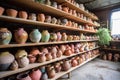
[{"x": 45, "y": 36}]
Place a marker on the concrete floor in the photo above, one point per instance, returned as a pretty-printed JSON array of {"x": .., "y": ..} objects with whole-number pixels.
[{"x": 97, "y": 70}]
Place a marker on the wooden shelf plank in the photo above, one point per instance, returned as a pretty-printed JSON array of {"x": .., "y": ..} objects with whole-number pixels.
[
  {"x": 67, "y": 3},
  {"x": 42, "y": 43},
  {"x": 60, "y": 74},
  {"x": 40, "y": 24},
  {"x": 111, "y": 49},
  {"x": 115, "y": 41},
  {"x": 30, "y": 66},
  {"x": 49, "y": 9}
]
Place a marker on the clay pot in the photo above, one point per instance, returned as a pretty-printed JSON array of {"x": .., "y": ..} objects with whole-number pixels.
[
  {"x": 59, "y": 36},
  {"x": 35, "y": 74},
  {"x": 51, "y": 72},
  {"x": 104, "y": 57},
  {"x": 48, "y": 19},
  {"x": 5, "y": 60},
  {"x": 23, "y": 61},
  {"x": 110, "y": 56},
  {"x": 65, "y": 9},
  {"x": 69, "y": 23},
  {"x": 53, "y": 36},
  {"x": 116, "y": 57},
  {"x": 59, "y": 7},
  {"x": 32, "y": 16},
  {"x": 1, "y": 10},
  {"x": 62, "y": 48},
  {"x": 64, "y": 36},
  {"x": 42, "y": 69},
  {"x": 44, "y": 50},
  {"x": 21, "y": 36},
  {"x": 14, "y": 65},
  {"x": 66, "y": 65},
  {"x": 11, "y": 12},
  {"x": 48, "y": 56},
  {"x": 5, "y": 36},
  {"x": 74, "y": 62},
  {"x": 44, "y": 76},
  {"x": 34, "y": 52},
  {"x": 23, "y": 14},
  {"x": 68, "y": 52},
  {"x": 20, "y": 53},
  {"x": 54, "y": 20},
  {"x": 64, "y": 22},
  {"x": 58, "y": 22},
  {"x": 70, "y": 11},
  {"x": 41, "y": 17},
  {"x": 31, "y": 58},
  {"x": 59, "y": 53},
  {"x": 70, "y": 38},
  {"x": 57, "y": 67},
  {"x": 23, "y": 76},
  {"x": 54, "y": 4},
  {"x": 45, "y": 36},
  {"x": 48, "y": 2},
  {"x": 41, "y": 58},
  {"x": 72, "y": 48},
  {"x": 35, "y": 36}
]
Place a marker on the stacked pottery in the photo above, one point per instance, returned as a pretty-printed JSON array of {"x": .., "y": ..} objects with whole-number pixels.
[
  {"x": 11, "y": 12},
  {"x": 21, "y": 36},
  {"x": 41, "y": 17},
  {"x": 35, "y": 36},
  {"x": 5, "y": 36},
  {"x": 1, "y": 10},
  {"x": 23, "y": 14},
  {"x": 23, "y": 76},
  {"x": 45, "y": 36},
  {"x": 22, "y": 59},
  {"x": 6, "y": 59}
]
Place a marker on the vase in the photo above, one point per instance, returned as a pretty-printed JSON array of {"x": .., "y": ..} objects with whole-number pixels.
[
  {"x": 57, "y": 67},
  {"x": 41, "y": 58},
  {"x": 66, "y": 65},
  {"x": 21, "y": 36},
  {"x": 48, "y": 56},
  {"x": 31, "y": 58},
  {"x": 5, "y": 36},
  {"x": 32, "y": 16},
  {"x": 23, "y": 76},
  {"x": 65, "y": 9},
  {"x": 54, "y": 20},
  {"x": 62, "y": 48},
  {"x": 20, "y": 53},
  {"x": 23, "y": 14},
  {"x": 64, "y": 37},
  {"x": 42, "y": 69},
  {"x": 59, "y": 53},
  {"x": 51, "y": 72},
  {"x": 35, "y": 36},
  {"x": 48, "y": 19},
  {"x": 14, "y": 65},
  {"x": 68, "y": 52},
  {"x": 35, "y": 74},
  {"x": 64, "y": 22},
  {"x": 44, "y": 50},
  {"x": 1, "y": 10},
  {"x": 59, "y": 36},
  {"x": 11, "y": 12},
  {"x": 6, "y": 59},
  {"x": 41, "y": 17},
  {"x": 53, "y": 36},
  {"x": 44, "y": 76},
  {"x": 45, "y": 36},
  {"x": 110, "y": 56}
]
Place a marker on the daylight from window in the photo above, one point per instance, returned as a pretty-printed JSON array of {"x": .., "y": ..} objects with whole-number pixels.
[{"x": 115, "y": 23}]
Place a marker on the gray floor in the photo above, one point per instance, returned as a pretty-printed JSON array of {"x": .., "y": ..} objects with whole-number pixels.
[{"x": 97, "y": 70}]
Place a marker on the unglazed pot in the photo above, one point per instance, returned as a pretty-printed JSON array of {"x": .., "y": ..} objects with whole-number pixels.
[
  {"x": 68, "y": 52},
  {"x": 31, "y": 58},
  {"x": 1, "y": 10},
  {"x": 41, "y": 17},
  {"x": 57, "y": 67},
  {"x": 5, "y": 36},
  {"x": 32, "y": 16},
  {"x": 66, "y": 65},
  {"x": 48, "y": 56},
  {"x": 35, "y": 36},
  {"x": 59, "y": 53},
  {"x": 59, "y": 36},
  {"x": 62, "y": 48},
  {"x": 41, "y": 58},
  {"x": 35, "y": 74},
  {"x": 5, "y": 60},
  {"x": 104, "y": 57},
  {"x": 23, "y": 76},
  {"x": 44, "y": 50},
  {"x": 110, "y": 56},
  {"x": 70, "y": 38},
  {"x": 53, "y": 36},
  {"x": 34, "y": 52},
  {"x": 74, "y": 62},
  {"x": 14, "y": 65},
  {"x": 45, "y": 36},
  {"x": 11, "y": 12},
  {"x": 51, "y": 72},
  {"x": 64, "y": 37},
  {"x": 21, "y": 36},
  {"x": 65, "y": 9},
  {"x": 23, "y": 14},
  {"x": 54, "y": 20},
  {"x": 48, "y": 19}
]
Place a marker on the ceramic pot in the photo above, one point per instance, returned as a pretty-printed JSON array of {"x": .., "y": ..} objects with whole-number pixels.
[
  {"x": 14, "y": 65},
  {"x": 20, "y": 53},
  {"x": 69, "y": 24},
  {"x": 21, "y": 36},
  {"x": 116, "y": 57},
  {"x": 110, "y": 56},
  {"x": 44, "y": 50},
  {"x": 23, "y": 61},
  {"x": 54, "y": 55},
  {"x": 59, "y": 36},
  {"x": 58, "y": 22},
  {"x": 32, "y": 16},
  {"x": 41, "y": 17},
  {"x": 42, "y": 69},
  {"x": 51, "y": 72},
  {"x": 23, "y": 76},
  {"x": 64, "y": 22},
  {"x": 23, "y": 14},
  {"x": 45, "y": 36},
  {"x": 41, "y": 58},
  {"x": 65, "y": 9},
  {"x": 48, "y": 2},
  {"x": 44, "y": 76},
  {"x": 31, "y": 58},
  {"x": 34, "y": 52},
  {"x": 5, "y": 60},
  {"x": 1, "y": 10},
  {"x": 70, "y": 38},
  {"x": 54, "y": 20},
  {"x": 35, "y": 74},
  {"x": 53, "y": 36},
  {"x": 59, "y": 7},
  {"x": 64, "y": 36},
  {"x": 54, "y": 4},
  {"x": 62, "y": 48},
  {"x": 68, "y": 52},
  {"x": 104, "y": 57},
  {"x": 48, "y": 19},
  {"x": 48, "y": 56},
  {"x": 11, "y": 12},
  {"x": 74, "y": 62},
  {"x": 5, "y": 36},
  {"x": 59, "y": 53},
  {"x": 57, "y": 67},
  {"x": 35, "y": 36},
  {"x": 66, "y": 65},
  {"x": 70, "y": 11}
]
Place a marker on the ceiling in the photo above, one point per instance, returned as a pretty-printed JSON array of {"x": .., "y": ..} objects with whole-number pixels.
[{"x": 96, "y": 4}]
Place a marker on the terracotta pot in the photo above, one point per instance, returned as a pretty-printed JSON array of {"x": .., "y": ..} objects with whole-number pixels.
[
  {"x": 62, "y": 48},
  {"x": 72, "y": 48},
  {"x": 1, "y": 10},
  {"x": 48, "y": 19},
  {"x": 5, "y": 36},
  {"x": 41, "y": 58},
  {"x": 59, "y": 53},
  {"x": 35, "y": 36},
  {"x": 44, "y": 50},
  {"x": 41, "y": 17},
  {"x": 21, "y": 36},
  {"x": 57, "y": 67},
  {"x": 14, "y": 65},
  {"x": 23, "y": 76},
  {"x": 23, "y": 14},
  {"x": 68, "y": 52},
  {"x": 116, "y": 57},
  {"x": 66, "y": 65},
  {"x": 45, "y": 36},
  {"x": 59, "y": 36},
  {"x": 5, "y": 60},
  {"x": 70, "y": 11},
  {"x": 48, "y": 56},
  {"x": 31, "y": 58},
  {"x": 32, "y": 16},
  {"x": 11, "y": 12},
  {"x": 74, "y": 62},
  {"x": 104, "y": 57},
  {"x": 110, "y": 56},
  {"x": 44, "y": 76},
  {"x": 51, "y": 72},
  {"x": 65, "y": 9},
  {"x": 64, "y": 37},
  {"x": 69, "y": 24},
  {"x": 20, "y": 53},
  {"x": 53, "y": 36},
  {"x": 54, "y": 55},
  {"x": 34, "y": 52},
  {"x": 35, "y": 74}
]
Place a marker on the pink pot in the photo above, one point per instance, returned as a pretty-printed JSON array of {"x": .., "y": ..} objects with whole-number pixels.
[
  {"x": 23, "y": 14},
  {"x": 11, "y": 12},
  {"x": 1, "y": 10}
]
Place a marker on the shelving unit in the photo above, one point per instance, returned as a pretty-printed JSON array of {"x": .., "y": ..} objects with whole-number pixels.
[
  {"x": 30, "y": 66},
  {"x": 109, "y": 49}
]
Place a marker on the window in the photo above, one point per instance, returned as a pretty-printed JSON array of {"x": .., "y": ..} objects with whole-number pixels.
[{"x": 115, "y": 22}]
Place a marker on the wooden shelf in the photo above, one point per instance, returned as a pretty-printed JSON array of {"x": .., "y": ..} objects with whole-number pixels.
[
  {"x": 60, "y": 74},
  {"x": 40, "y": 24},
  {"x": 30, "y": 66},
  {"x": 115, "y": 41},
  {"x": 42, "y": 43},
  {"x": 48, "y": 9},
  {"x": 70, "y": 5},
  {"x": 111, "y": 49}
]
